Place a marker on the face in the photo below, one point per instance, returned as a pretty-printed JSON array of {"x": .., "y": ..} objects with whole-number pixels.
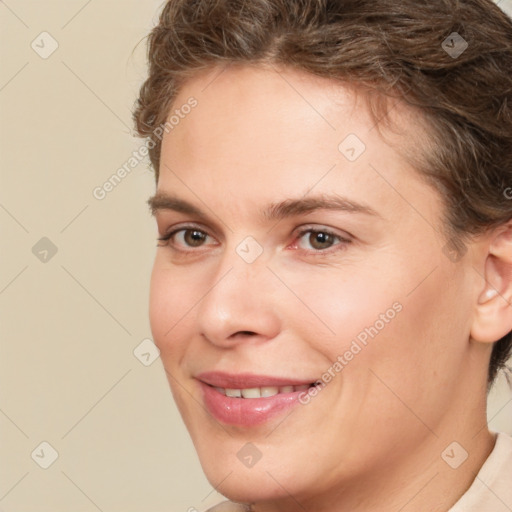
[{"x": 303, "y": 249}]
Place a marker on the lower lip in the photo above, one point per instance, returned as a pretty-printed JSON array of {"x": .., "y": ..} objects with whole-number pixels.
[{"x": 246, "y": 412}]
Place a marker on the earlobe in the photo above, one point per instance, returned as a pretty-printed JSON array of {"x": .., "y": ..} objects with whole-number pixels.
[{"x": 493, "y": 308}]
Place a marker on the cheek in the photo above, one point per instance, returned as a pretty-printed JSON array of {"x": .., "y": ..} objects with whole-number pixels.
[
  {"x": 418, "y": 354},
  {"x": 168, "y": 307},
  {"x": 169, "y": 302},
  {"x": 395, "y": 320},
  {"x": 339, "y": 306}
]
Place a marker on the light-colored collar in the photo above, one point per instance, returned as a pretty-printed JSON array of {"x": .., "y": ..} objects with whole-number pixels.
[{"x": 229, "y": 506}]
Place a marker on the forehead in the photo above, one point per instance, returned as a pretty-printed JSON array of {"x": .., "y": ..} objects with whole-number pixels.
[
  {"x": 269, "y": 131},
  {"x": 280, "y": 87},
  {"x": 254, "y": 104}
]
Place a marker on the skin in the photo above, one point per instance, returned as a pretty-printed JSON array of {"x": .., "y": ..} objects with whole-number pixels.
[{"x": 372, "y": 439}]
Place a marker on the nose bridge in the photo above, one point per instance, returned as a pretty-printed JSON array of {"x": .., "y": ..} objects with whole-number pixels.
[
  {"x": 238, "y": 299},
  {"x": 241, "y": 267}
]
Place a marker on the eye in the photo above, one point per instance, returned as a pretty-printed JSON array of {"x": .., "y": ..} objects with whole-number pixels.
[
  {"x": 185, "y": 237},
  {"x": 319, "y": 240}
]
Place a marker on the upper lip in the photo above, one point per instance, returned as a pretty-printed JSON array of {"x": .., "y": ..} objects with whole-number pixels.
[{"x": 247, "y": 380}]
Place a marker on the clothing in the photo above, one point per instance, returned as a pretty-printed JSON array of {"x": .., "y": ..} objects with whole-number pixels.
[
  {"x": 491, "y": 490},
  {"x": 228, "y": 506}
]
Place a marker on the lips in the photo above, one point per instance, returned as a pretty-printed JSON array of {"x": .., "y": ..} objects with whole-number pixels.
[
  {"x": 248, "y": 400},
  {"x": 248, "y": 380}
]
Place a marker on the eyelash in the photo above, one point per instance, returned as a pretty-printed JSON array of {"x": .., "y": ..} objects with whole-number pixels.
[{"x": 341, "y": 245}]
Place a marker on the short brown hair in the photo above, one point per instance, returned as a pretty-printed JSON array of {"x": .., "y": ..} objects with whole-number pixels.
[{"x": 404, "y": 49}]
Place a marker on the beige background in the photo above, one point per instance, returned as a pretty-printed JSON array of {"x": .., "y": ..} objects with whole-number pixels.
[{"x": 70, "y": 324}]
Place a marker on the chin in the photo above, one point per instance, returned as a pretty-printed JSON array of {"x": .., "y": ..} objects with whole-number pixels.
[
  {"x": 249, "y": 485},
  {"x": 246, "y": 488}
]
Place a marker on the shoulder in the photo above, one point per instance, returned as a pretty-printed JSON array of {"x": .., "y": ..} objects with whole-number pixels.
[
  {"x": 504, "y": 441},
  {"x": 229, "y": 506}
]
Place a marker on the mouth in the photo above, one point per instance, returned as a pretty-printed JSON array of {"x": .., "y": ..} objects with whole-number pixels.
[{"x": 248, "y": 400}]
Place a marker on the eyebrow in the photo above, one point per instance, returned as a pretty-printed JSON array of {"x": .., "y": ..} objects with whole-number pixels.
[{"x": 275, "y": 211}]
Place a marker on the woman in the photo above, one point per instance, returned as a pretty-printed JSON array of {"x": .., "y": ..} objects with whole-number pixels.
[{"x": 331, "y": 290}]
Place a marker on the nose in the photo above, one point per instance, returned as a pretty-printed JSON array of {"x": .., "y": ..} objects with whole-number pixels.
[{"x": 241, "y": 304}]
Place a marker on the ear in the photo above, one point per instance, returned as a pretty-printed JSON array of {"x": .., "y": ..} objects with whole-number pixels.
[{"x": 493, "y": 310}]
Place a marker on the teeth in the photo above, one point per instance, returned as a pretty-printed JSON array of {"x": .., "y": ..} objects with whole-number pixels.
[
  {"x": 269, "y": 391},
  {"x": 265, "y": 391},
  {"x": 251, "y": 393}
]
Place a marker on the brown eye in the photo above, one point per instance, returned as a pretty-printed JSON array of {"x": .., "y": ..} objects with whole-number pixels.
[
  {"x": 320, "y": 240},
  {"x": 185, "y": 237},
  {"x": 193, "y": 237}
]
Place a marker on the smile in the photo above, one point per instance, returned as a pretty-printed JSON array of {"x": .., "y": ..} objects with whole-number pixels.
[
  {"x": 261, "y": 392},
  {"x": 248, "y": 400}
]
